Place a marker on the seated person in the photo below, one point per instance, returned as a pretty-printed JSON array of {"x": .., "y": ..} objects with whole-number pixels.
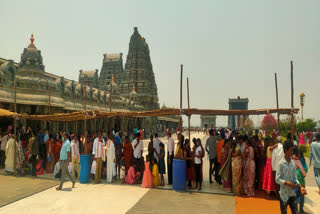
[{"x": 132, "y": 177}]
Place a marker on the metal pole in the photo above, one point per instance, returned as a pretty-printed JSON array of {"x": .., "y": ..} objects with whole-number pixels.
[
  {"x": 85, "y": 112},
  {"x": 277, "y": 99},
  {"x": 49, "y": 107},
  {"x": 15, "y": 129},
  {"x": 292, "y": 107},
  {"x": 189, "y": 116},
  {"x": 181, "y": 101},
  {"x": 110, "y": 103},
  {"x": 110, "y": 98}
]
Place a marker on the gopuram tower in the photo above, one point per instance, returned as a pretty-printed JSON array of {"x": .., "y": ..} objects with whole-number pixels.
[{"x": 138, "y": 73}]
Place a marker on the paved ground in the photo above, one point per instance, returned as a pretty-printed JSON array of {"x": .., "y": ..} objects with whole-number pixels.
[
  {"x": 164, "y": 201},
  {"x": 13, "y": 189},
  {"x": 85, "y": 198},
  {"x": 312, "y": 200}
]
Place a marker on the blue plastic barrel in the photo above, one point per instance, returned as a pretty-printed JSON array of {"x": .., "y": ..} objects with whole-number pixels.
[
  {"x": 84, "y": 169},
  {"x": 179, "y": 175}
]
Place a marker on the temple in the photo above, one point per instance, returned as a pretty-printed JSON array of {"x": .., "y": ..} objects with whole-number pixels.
[
  {"x": 133, "y": 89},
  {"x": 236, "y": 121},
  {"x": 138, "y": 72},
  {"x": 111, "y": 66},
  {"x": 208, "y": 121}
]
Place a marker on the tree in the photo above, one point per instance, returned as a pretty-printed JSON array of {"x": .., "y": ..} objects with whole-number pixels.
[
  {"x": 269, "y": 123},
  {"x": 285, "y": 125},
  {"x": 307, "y": 125},
  {"x": 248, "y": 123}
]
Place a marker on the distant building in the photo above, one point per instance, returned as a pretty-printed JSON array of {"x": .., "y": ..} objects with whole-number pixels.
[
  {"x": 234, "y": 121},
  {"x": 112, "y": 66},
  {"x": 133, "y": 89},
  {"x": 91, "y": 77},
  {"x": 208, "y": 121}
]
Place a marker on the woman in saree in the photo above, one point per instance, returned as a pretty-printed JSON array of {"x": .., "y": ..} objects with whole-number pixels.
[
  {"x": 50, "y": 156},
  {"x": 225, "y": 171},
  {"x": 249, "y": 169},
  {"x": 236, "y": 167},
  {"x": 128, "y": 153}
]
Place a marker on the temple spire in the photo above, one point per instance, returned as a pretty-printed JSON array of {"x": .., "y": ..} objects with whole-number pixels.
[
  {"x": 31, "y": 38},
  {"x": 133, "y": 88},
  {"x": 112, "y": 78}
]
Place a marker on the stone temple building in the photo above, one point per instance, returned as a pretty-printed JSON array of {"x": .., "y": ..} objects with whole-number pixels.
[
  {"x": 138, "y": 72},
  {"x": 91, "y": 77},
  {"x": 234, "y": 121},
  {"x": 39, "y": 92},
  {"x": 111, "y": 66},
  {"x": 208, "y": 121}
]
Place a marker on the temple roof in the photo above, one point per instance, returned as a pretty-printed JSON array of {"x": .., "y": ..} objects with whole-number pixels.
[
  {"x": 112, "y": 57},
  {"x": 31, "y": 55},
  {"x": 114, "y": 84},
  {"x": 32, "y": 47},
  {"x": 88, "y": 73}
]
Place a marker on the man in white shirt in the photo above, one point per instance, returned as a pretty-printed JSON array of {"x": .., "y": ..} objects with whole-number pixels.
[
  {"x": 75, "y": 155},
  {"x": 3, "y": 140},
  {"x": 197, "y": 164},
  {"x": 276, "y": 158},
  {"x": 170, "y": 157},
  {"x": 137, "y": 151},
  {"x": 156, "y": 147},
  {"x": 97, "y": 151}
]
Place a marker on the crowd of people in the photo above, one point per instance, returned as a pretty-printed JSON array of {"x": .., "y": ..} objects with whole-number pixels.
[
  {"x": 244, "y": 163},
  {"x": 241, "y": 162},
  {"x": 113, "y": 156}
]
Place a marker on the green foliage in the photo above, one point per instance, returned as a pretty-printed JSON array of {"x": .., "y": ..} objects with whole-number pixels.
[
  {"x": 303, "y": 148},
  {"x": 248, "y": 124},
  {"x": 307, "y": 125},
  {"x": 306, "y": 154},
  {"x": 285, "y": 126}
]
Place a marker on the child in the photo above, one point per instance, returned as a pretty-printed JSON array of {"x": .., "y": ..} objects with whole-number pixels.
[
  {"x": 155, "y": 173},
  {"x": 268, "y": 180},
  {"x": 161, "y": 165},
  {"x": 132, "y": 177},
  {"x": 301, "y": 169},
  {"x": 286, "y": 177},
  {"x": 122, "y": 168},
  {"x": 147, "y": 181}
]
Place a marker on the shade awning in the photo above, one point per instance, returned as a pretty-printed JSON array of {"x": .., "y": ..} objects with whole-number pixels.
[{"x": 78, "y": 116}]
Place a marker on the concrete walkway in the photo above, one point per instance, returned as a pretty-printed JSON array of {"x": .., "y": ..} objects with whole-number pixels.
[
  {"x": 85, "y": 198},
  {"x": 157, "y": 201},
  {"x": 13, "y": 189}
]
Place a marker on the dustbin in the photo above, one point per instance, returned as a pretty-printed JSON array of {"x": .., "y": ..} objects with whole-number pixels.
[
  {"x": 84, "y": 169},
  {"x": 179, "y": 175}
]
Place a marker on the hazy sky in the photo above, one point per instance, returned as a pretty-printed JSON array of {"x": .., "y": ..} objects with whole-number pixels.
[{"x": 228, "y": 48}]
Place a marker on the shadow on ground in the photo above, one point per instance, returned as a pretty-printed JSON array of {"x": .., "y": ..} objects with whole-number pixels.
[
  {"x": 165, "y": 201},
  {"x": 16, "y": 188}
]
